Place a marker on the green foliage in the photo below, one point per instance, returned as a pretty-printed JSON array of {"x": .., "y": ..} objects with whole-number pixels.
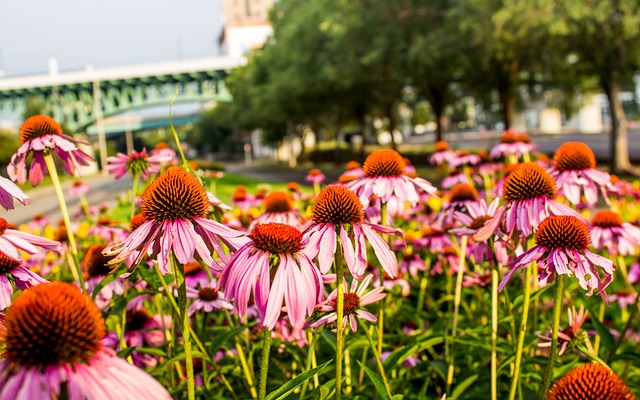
[{"x": 10, "y": 144}]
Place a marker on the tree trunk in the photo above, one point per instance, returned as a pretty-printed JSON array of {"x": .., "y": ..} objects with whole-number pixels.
[
  {"x": 507, "y": 105},
  {"x": 436, "y": 96},
  {"x": 618, "y": 140}
]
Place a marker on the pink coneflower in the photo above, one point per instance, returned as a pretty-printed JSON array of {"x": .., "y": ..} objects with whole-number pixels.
[
  {"x": 569, "y": 334},
  {"x": 353, "y": 171},
  {"x": 590, "y": 381},
  {"x": 41, "y": 134},
  {"x": 12, "y": 240},
  {"x": 207, "y": 297},
  {"x": 37, "y": 222},
  {"x": 107, "y": 230},
  {"x": 78, "y": 188},
  {"x": 137, "y": 163},
  {"x": 338, "y": 211},
  {"x": 434, "y": 238},
  {"x": 24, "y": 278},
  {"x": 51, "y": 345},
  {"x": 624, "y": 298},
  {"x": 460, "y": 197},
  {"x": 446, "y": 259},
  {"x": 96, "y": 267},
  {"x": 608, "y": 231},
  {"x": 477, "y": 278},
  {"x": 442, "y": 154},
  {"x": 634, "y": 273},
  {"x": 464, "y": 158},
  {"x": 279, "y": 208},
  {"x": 575, "y": 171},
  {"x": 143, "y": 330},
  {"x": 384, "y": 178},
  {"x": 315, "y": 176},
  {"x": 168, "y": 155},
  {"x": 274, "y": 267},
  {"x": 194, "y": 274},
  {"x": 354, "y": 299},
  {"x": 511, "y": 144},
  {"x": 455, "y": 177},
  {"x": 10, "y": 191},
  {"x": 242, "y": 199},
  {"x": 175, "y": 206},
  {"x": 562, "y": 244},
  {"x": 390, "y": 283},
  {"x": 529, "y": 192},
  {"x": 411, "y": 264}
]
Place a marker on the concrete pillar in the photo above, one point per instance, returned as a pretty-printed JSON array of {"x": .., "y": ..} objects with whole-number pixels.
[{"x": 550, "y": 120}]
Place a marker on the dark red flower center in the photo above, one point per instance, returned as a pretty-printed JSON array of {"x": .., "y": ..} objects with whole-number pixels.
[
  {"x": 590, "y": 382},
  {"x": 52, "y": 324},
  {"x": 278, "y": 202},
  {"x": 7, "y": 264},
  {"x": 509, "y": 137},
  {"x": 563, "y": 232},
  {"x": 463, "y": 192},
  {"x": 95, "y": 263},
  {"x": 315, "y": 172},
  {"x": 176, "y": 194},
  {"x": 136, "y": 221},
  {"x": 137, "y": 319},
  {"x": 37, "y": 126},
  {"x": 574, "y": 156},
  {"x": 384, "y": 162},
  {"x": 529, "y": 181},
  {"x": 192, "y": 268},
  {"x": 352, "y": 165},
  {"x": 277, "y": 238},
  {"x": 208, "y": 294},
  {"x": 479, "y": 222},
  {"x": 337, "y": 205},
  {"x": 351, "y": 303},
  {"x": 441, "y": 146},
  {"x": 607, "y": 219},
  {"x": 3, "y": 225}
]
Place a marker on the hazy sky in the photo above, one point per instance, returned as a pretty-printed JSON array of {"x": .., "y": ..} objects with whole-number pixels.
[{"x": 104, "y": 33}]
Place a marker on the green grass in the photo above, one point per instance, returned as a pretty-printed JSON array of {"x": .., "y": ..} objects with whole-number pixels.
[{"x": 225, "y": 186}]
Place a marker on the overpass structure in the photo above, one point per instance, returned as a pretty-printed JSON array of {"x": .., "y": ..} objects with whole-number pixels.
[{"x": 83, "y": 98}]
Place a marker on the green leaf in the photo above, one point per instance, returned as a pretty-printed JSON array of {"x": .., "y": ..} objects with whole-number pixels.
[
  {"x": 517, "y": 303},
  {"x": 382, "y": 391},
  {"x": 629, "y": 356},
  {"x": 608, "y": 342},
  {"x": 398, "y": 356},
  {"x": 221, "y": 338},
  {"x": 102, "y": 284},
  {"x": 284, "y": 390},
  {"x": 462, "y": 386}
]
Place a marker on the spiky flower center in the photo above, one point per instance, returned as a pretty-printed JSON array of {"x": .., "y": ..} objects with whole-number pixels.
[
  {"x": 524, "y": 138},
  {"x": 192, "y": 268},
  {"x": 137, "y": 319},
  {"x": 207, "y": 294},
  {"x": 351, "y": 165},
  {"x": 351, "y": 303},
  {"x": 337, "y": 205},
  {"x": 95, "y": 263},
  {"x": 138, "y": 162},
  {"x": 479, "y": 222},
  {"x": 7, "y": 264},
  {"x": 344, "y": 179},
  {"x": 103, "y": 221},
  {"x": 293, "y": 186},
  {"x": 77, "y": 183},
  {"x": 509, "y": 137},
  {"x": 590, "y": 382},
  {"x": 52, "y": 324},
  {"x": 276, "y": 238},
  {"x": 607, "y": 219},
  {"x": 176, "y": 194},
  {"x": 463, "y": 192},
  {"x": 239, "y": 195},
  {"x": 37, "y": 126},
  {"x": 384, "y": 162},
  {"x": 278, "y": 202},
  {"x": 3, "y": 225},
  {"x": 449, "y": 251},
  {"x": 136, "y": 221},
  {"x": 441, "y": 146},
  {"x": 315, "y": 172},
  {"x": 529, "y": 181},
  {"x": 563, "y": 232},
  {"x": 161, "y": 146},
  {"x": 574, "y": 156}
]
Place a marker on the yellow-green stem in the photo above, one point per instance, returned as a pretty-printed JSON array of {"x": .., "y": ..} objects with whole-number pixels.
[
  {"x": 311, "y": 351},
  {"x": 186, "y": 325},
  {"x": 456, "y": 307},
  {"x": 51, "y": 166},
  {"x": 377, "y": 357},
  {"x": 523, "y": 331},
  {"x": 264, "y": 363},
  {"x": 243, "y": 360},
  {"x": 340, "y": 315},
  {"x": 555, "y": 323},
  {"x": 494, "y": 332},
  {"x": 185, "y": 163},
  {"x": 134, "y": 192},
  {"x": 381, "y": 306}
]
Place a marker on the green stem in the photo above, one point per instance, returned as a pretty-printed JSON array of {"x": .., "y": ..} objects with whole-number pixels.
[
  {"x": 185, "y": 163},
  {"x": 264, "y": 363},
  {"x": 243, "y": 359},
  {"x": 381, "y": 307},
  {"x": 462, "y": 253},
  {"x": 340, "y": 315},
  {"x": 51, "y": 166},
  {"x": 523, "y": 331},
  {"x": 494, "y": 332},
  {"x": 186, "y": 325},
  {"x": 311, "y": 351},
  {"x": 377, "y": 357},
  {"x": 557, "y": 309},
  {"x": 134, "y": 192}
]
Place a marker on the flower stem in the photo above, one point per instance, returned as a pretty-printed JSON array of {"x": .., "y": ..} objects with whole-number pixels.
[
  {"x": 185, "y": 163},
  {"x": 264, "y": 363},
  {"x": 51, "y": 166},
  {"x": 456, "y": 307},
  {"x": 557, "y": 309},
  {"x": 311, "y": 352},
  {"x": 526, "y": 296},
  {"x": 494, "y": 332},
  {"x": 377, "y": 357},
  {"x": 381, "y": 307},
  {"x": 136, "y": 178},
  {"x": 339, "y": 323},
  {"x": 186, "y": 326}
]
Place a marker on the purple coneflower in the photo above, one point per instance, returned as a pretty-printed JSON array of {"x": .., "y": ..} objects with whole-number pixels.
[
  {"x": 353, "y": 171},
  {"x": 608, "y": 231},
  {"x": 108, "y": 230},
  {"x": 384, "y": 177},
  {"x": 460, "y": 197},
  {"x": 624, "y": 298},
  {"x": 78, "y": 188},
  {"x": 412, "y": 263},
  {"x": 143, "y": 330},
  {"x": 570, "y": 333},
  {"x": 279, "y": 208},
  {"x": 41, "y": 134},
  {"x": 274, "y": 267},
  {"x": 465, "y": 159},
  {"x": 9, "y": 191},
  {"x": 337, "y": 212},
  {"x": 137, "y": 163},
  {"x": 72, "y": 362},
  {"x": 511, "y": 144},
  {"x": 315, "y": 176},
  {"x": 529, "y": 192},
  {"x": 175, "y": 206},
  {"x": 562, "y": 244},
  {"x": 354, "y": 300},
  {"x": 574, "y": 169},
  {"x": 207, "y": 297},
  {"x": 442, "y": 154},
  {"x": 169, "y": 156},
  {"x": 96, "y": 267},
  {"x": 24, "y": 278},
  {"x": 12, "y": 240}
]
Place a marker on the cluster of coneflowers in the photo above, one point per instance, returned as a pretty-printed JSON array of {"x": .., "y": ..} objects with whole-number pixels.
[{"x": 150, "y": 289}]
